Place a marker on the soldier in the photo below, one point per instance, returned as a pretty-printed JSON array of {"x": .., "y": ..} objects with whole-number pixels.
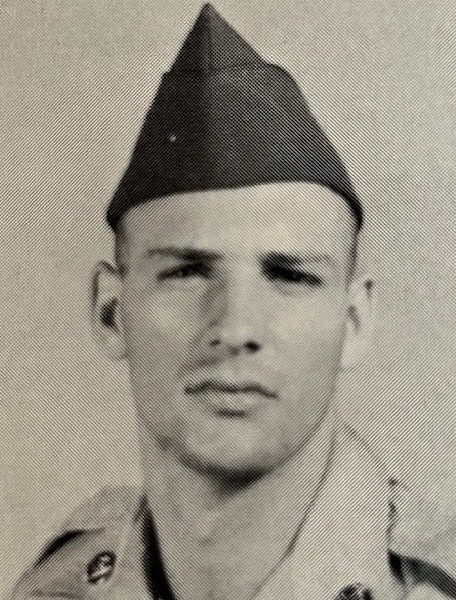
[{"x": 236, "y": 300}]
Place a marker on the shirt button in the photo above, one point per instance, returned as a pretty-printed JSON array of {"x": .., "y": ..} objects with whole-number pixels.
[
  {"x": 355, "y": 591},
  {"x": 101, "y": 567}
]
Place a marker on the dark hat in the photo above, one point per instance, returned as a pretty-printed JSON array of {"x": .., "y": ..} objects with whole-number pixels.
[{"x": 225, "y": 118}]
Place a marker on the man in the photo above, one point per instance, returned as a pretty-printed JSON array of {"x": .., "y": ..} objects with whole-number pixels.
[{"x": 236, "y": 301}]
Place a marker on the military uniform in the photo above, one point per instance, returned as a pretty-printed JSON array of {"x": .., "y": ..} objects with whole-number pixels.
[{"x": 366, "y": 537}]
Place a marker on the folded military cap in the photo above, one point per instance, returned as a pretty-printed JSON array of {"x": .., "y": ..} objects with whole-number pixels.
[{"x": 225, "y": 118}]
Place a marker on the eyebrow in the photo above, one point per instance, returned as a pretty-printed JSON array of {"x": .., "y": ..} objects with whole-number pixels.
[
  {"x": 295, "y": 260},
  {"x": 278, "y": 258},
  {"x": 190, "y": 254}
]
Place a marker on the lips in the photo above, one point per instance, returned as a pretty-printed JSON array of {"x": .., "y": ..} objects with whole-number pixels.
[
  {"x": 229, "y": 399},
  {"x": 220, "y": 387}
]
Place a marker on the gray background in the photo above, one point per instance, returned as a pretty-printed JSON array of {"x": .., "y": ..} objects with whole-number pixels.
[{"x": 76, "y": 79}]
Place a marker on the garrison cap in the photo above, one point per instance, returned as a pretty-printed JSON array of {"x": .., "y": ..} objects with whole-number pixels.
[{"x": 225, "y": 118}]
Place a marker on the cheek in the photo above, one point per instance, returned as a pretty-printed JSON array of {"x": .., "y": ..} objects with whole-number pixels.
[
  {"x": 312, "y": 330},
  {"x": 159, "y": 326}
]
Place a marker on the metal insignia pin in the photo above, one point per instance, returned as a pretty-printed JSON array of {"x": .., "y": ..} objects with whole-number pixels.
[{"x": 101, "y": 567}]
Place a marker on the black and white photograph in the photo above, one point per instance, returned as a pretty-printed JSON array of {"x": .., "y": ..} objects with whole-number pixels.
[{"x": 228, "y": 299}]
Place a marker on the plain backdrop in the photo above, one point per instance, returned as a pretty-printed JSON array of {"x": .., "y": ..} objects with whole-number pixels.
[{"x": 76, "y": 80}]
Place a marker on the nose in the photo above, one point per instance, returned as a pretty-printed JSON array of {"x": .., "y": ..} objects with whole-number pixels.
[
  {"x": 236, "y": 324},
  {"x": 235, "y": 346}
]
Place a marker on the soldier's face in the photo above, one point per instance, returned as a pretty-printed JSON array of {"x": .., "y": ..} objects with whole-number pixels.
[{"x": 234, "y": 309}]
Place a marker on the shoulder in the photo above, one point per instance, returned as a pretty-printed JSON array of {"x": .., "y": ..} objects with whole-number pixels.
[
  {"x": 422, "y": 540},
  {"x": 421, "y": 534},
  {"x": 86, "y": 543},
  {"x": 110, "y": 505}
]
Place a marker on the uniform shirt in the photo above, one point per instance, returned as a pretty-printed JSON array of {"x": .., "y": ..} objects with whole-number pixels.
[{"x": 365, "y": 537}]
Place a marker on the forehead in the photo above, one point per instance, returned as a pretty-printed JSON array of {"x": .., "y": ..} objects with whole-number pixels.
[{"x": 298, "y": 217}]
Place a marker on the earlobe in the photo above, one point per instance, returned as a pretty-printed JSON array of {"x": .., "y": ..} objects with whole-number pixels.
[
  {"x": 105, "y": 311},
  {"x": 359, "y": 322}
]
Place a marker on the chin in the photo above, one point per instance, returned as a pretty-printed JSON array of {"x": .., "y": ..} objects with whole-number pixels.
[{"x": 230, "y": 465}]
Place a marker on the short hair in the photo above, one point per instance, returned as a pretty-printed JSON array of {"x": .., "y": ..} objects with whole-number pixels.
[{"x": 120, "y": 244}]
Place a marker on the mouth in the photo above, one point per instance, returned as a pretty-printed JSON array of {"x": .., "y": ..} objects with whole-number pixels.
[{"x": 230, "y": 399}]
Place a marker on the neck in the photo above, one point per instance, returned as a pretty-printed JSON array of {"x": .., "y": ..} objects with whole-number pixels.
[
  {"x": 198, "y": 499},
  {"x": 186, "y": 492}
]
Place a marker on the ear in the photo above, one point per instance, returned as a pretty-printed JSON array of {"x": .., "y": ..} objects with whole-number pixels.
[
  {"x": 105, "y": 311},
  {"x": 360, "y": 319}
]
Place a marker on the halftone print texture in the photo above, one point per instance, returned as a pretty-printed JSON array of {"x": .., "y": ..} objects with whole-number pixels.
[{"x": 77, "y": 79}]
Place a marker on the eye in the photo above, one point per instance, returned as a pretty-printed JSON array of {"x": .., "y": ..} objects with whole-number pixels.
[
  {"x": 296, "y": 276},
  {"x": 185, "y": 272}
]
